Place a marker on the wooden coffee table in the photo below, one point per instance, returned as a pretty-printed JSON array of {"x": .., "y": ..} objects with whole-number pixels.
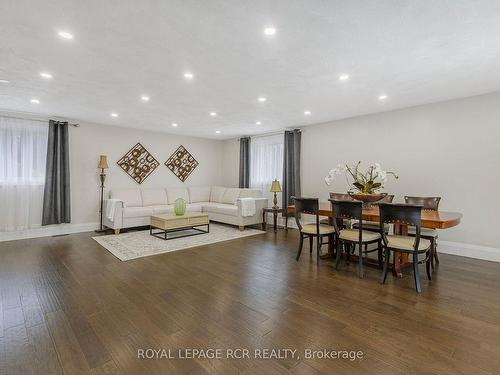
[{"x": 169, "y": 223}]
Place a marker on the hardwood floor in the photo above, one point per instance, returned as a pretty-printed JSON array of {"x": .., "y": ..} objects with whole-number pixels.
[{"x": 69, "y": 306}]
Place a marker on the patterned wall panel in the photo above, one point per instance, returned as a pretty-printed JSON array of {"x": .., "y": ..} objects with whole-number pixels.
[
  {"x": 138, "y": 163},
  {"x": 181, "y": 163}
]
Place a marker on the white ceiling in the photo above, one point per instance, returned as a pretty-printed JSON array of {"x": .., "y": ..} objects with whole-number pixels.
[{"x": 414, "y": 51}]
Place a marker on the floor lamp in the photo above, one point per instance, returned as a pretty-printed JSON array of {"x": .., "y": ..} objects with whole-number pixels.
[{"x": 103, "y": 164}]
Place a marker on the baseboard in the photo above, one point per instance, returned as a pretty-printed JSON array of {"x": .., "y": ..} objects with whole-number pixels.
[
  {"x": 52, "y": 230},
  {"x": 469, "y": 250}
]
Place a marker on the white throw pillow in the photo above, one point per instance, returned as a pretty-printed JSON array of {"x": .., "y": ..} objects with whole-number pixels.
[
  {"x": 175, "y": 193},
  {"x": 153, "y": 197},
  {"x": 230, "y": 195},
  {"x": 130, "y": 197},
  {"x": 216, "y": 194},
  {"x": 199, "y": 194},
  {"x": 250, "y": 193}
]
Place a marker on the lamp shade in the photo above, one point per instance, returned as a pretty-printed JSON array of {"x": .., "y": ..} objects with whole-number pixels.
[
  {"x": 275, "y": 187},
  {"x": 103, "y": 162}
]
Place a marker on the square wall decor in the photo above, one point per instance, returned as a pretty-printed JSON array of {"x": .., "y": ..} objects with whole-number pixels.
[
  {"x": 138, "y": 163},
  {"x": 181, "y": 163}
]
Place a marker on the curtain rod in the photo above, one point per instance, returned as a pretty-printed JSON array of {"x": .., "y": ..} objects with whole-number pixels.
[
  {"x": 76, "y": 125},
  {"x": 269, "y": 134}
]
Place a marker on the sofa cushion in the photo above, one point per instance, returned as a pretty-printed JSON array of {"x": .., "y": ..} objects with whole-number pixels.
[
  {"x": 199, "y": 194},
  {"x": 250, "y": 193},
  {"x": 130, "y": 197},
  {"x": 216, "y": 193},
  {"x": 137, "y": 211},
  {"x": 162, "y": 209},
  {"x": 230, "y": 196},
  {"x": 194, "y": 207},
  {"x": 152, "y": 197},
  {"x": 175, "y": 193},
  {"x": 221, "y": 208}
]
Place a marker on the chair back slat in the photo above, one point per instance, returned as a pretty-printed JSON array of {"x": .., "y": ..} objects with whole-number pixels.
[
  {"x": 388, "y": 198},
  {"x": 391, "y": 213},
  {"x": 427, "y": 203},
  {"x": 341, "y": 197},
  {"x": 342, "y": 209}
]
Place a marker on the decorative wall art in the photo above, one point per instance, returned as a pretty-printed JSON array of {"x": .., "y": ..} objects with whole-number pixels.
[
  {"x": 138, "y": 163},
  {"x": 181, "y": 163}
]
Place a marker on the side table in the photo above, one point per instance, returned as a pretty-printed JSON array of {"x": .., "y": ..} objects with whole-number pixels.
[{"x": 275, "y": 212}]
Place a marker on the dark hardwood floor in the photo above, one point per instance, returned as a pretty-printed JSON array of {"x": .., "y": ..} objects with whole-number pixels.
[{"x": 69, "y": 306}]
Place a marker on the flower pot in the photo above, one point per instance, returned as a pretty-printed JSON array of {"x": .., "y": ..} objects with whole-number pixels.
[
  {"x": 180, "y": 206},
  {"x": 367, "y": 199}
]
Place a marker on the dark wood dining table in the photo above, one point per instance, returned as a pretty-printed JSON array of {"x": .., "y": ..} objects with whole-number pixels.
[{"x": 430, "y": 219}]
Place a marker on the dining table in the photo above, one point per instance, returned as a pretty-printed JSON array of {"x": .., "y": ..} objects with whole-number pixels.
[{"x": 430, "y": 219}]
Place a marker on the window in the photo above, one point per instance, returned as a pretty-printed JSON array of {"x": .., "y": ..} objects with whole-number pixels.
[
  {"x": 23, "y": 149},
  {"x": 266, "y": 162}
]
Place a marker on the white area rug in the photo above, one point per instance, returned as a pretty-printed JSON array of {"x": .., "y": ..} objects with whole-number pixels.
[{"x": 133, "y": 245}]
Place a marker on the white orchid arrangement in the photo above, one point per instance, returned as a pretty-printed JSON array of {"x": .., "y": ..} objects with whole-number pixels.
[{"x": 365, "y": 183}]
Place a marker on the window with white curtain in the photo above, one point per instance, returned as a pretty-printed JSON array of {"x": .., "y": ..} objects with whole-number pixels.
[
  {"x": 266, "y": 162},
  {"x": 23, "y": 150}
]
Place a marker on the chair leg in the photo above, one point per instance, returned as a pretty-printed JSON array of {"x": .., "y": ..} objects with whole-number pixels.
[
  {"x": 318, "y": 249},
  {"x": 387, "y": 254},
  {"x": 338, "y": 255},
  {"x": 432, "y": 252},
  {"x": 428, "y": 264},
  {"x": 360, "y": 261},
  {"x": 310, "y": 244},
  {"x": 416, "y": 275},
  {"x": 380, "y": 255},
  {"x": 435, "y": 251},
  {"x": 300, "y": 247}
]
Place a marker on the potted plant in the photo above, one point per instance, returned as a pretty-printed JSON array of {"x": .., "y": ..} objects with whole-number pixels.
[{"x": 363, "y": 186}]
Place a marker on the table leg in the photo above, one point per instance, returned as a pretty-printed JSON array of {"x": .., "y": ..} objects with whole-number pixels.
[
  {"x": 275, "y": 221},
  {"x": 286, "y": 220},
  {"x": 263, "y": 220},
  {"x": 400, "y": 260}
]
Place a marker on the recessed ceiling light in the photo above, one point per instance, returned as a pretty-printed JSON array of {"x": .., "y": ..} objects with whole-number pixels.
[
  {"x": 188, "y": 75},
  {"x": 213, "y": 114},
  {"x": 174, "y": 125},
  {"x": 307, "y": 113},
  {"x": 262, "y": 99},
  {"x": 217, "y": 132},
  {"x": 114, "y": 114},
  {"x": 3, "y": 81},
  {"x": 45, "y": 75},
  {"x": 258, "y": 123},
  {"x": 343, "y": 77},
  {"x": 271, "y": 30},
  {"x": 382, "y": 97},
  {"x": 65, "y": 35},
  {"x": 145, "y": 98},
  {"x": 35, "y": 101}
]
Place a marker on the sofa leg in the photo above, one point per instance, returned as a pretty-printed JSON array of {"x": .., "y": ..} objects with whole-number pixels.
[
  {"x": 117, "y": 231},
  {"x": 241, "y": 227}
]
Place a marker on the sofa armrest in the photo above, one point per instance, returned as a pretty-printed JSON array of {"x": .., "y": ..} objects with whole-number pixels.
[
  {"x": 260, "y": 203},
  {"x": 117, "y": 221}
]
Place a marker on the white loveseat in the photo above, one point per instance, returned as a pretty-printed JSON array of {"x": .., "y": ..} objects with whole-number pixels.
[{"x": 135, "y": 206}]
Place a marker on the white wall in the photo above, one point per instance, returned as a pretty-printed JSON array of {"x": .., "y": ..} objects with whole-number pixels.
[
  {"x": 89, "y": 141},
  {"x": 230, "y": 162},
  {"x": 448, "y": 149}
]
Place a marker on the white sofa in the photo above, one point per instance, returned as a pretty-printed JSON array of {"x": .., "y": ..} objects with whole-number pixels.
[{"x": 135, "y": 206}]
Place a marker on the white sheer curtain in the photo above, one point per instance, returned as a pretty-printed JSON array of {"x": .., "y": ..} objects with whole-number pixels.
[
  {"x": 23, "y": 149},
  {"x": 266, "y": 162}
]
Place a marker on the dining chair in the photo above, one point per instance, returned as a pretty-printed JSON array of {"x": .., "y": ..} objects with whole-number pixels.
[
  {"x": 353, "y": 210},
  {"x": 374, "y": 226},
  {"x": 315, "y": 230},
  {"x": 432, "y": 204},
  {"x": 408, "y": 215},
  {"x": 340, "y": 197}
]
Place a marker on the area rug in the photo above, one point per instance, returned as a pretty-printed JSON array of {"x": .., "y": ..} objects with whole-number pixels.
[{"x": 138, "y": 244}]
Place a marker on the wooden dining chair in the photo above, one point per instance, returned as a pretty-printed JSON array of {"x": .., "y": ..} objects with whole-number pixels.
[
  {"x": 340, "y": 197},
  {"x": 407, "y": 215},
  {"x": 432, "y": 204},
  {"x": 374, "y": 226},
  {"x": 316, "y": 230},
  {"x": 353, "y": 210}
]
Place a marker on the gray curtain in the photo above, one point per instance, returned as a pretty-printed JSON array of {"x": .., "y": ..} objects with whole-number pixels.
[
  {"x": 245, "y": 162},
  {"x": 56, "y": 194},
  {"x": 291, "y": 166}
]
